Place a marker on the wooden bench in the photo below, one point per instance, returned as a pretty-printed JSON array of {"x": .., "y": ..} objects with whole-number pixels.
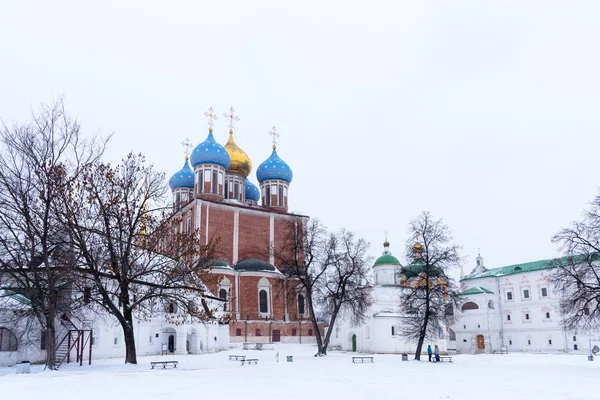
[
  {"x": 249, "y": 361},
  {"x": 164, "y": 363},
  {"x": 447, "y": 358},
  {"x": 236, "y": 358},
  {"x": 362, "y": 359}
]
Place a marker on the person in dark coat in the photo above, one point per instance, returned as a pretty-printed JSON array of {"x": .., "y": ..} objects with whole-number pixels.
[
  {"x": 436, "y": 352},
  {"x": 429, "y": 351}
]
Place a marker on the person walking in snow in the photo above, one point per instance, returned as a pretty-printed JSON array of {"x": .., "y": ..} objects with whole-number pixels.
[
  {"x": 436, "y": 352},
  {"x": 429, "y": 351}
]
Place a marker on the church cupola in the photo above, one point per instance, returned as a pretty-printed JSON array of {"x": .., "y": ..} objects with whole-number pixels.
[
  {"x": 417, "y": 248},
  {"x": 479, "y": 268},
  {"x": 252, "y": 194},
  {"x": 386, "y": 267},
  {"x": 274, "y": 176},
  {"x": 210, "y": 161},
  {"x": 239, "y": 167},
  {"x": 182, "y": 183}
]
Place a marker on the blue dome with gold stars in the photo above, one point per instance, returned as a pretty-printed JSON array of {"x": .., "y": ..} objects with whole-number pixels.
[
  {"x": 252, "y": 192},
  {"x": 274, "y": 168},
  {"x": 184, "y": 178},
  {"x": 210, "y": 152}
]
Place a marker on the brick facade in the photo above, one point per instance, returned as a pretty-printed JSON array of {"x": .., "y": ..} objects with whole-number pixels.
[{"x": 246, "y": 231}]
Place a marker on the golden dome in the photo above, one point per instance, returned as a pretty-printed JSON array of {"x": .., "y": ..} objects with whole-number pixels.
[{"x": 240, "y": 162}]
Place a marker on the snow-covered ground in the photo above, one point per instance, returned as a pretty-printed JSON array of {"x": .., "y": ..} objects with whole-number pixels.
[{"x": 213, "y": 376}]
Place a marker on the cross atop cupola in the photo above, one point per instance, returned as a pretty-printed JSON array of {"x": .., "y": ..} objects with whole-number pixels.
[
  {"x": 273, "y": 132},
  {"x": 187, "y": 145},
  {"x": 232, "y": 118},
  {"x": 211, "y": 116}
]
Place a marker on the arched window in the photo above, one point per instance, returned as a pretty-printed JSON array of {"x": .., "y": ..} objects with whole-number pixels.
[
  {"x": 452, "y": 334},
  {"x": 300, "y": 304},
  {"x": 294, "y": 332},
  {"x": 8, "y": 340},
  {"x": 491, "y": 305},
  {"x": 263, "y": 301},
  {"x": 470, "y": 306},
  {"x": 223, "y": 295}
]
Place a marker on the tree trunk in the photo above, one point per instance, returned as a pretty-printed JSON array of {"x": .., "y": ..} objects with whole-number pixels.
[
  {"x": 50, "y": 343},
  {"x": 330, "y": 329},
  {"x": 129, "y": 334},
  {"x": 315, "y": 324},
  {"x": 420, "y": 343}
]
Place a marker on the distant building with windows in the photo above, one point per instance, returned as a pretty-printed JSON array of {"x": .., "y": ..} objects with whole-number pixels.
[{"x": 513, "y": 308}]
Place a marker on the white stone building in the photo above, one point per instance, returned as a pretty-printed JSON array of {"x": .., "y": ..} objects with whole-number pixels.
[
  {"x": 381, "y": 331},
  {"x": 153, "y": 336},
  {"x": 513, "y": 308}
]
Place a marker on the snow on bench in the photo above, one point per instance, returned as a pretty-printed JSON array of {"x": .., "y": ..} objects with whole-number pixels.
[
  {"x": 164, "y": 363},
  {"x": 236, "y": 358},
  {"x": 249, "y": 361},
  {"x": 362, "y": 359}
]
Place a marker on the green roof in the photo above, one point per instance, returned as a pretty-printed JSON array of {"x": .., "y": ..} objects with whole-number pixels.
[
  {"x": 386, "y": 259},
  {"x": 416, "y": 267},
  {"x": 525, "y": 267},
  {"x": 475, "y": 290},
  {"x": 21, "y": 299}
]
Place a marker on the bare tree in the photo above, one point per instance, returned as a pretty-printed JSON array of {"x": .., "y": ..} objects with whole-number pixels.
[
  {"x": 346, "y": 290},
  {"x": 577, "y": 274},
  {"x": 133, "y": 256},
  {"x": 37, "y": 161},
  {"x": 428, "y": 296},
  {"x": 303, "y": 260},
  {"x": 331, "y": 269}
]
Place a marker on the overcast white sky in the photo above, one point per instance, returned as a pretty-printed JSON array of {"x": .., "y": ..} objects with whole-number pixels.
[{"x": 484, "y": 113}]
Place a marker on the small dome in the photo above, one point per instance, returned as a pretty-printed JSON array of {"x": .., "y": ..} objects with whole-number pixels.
[
  {"x": 184, "y": 178},
  {"x": 274, "y": 168},
  {"x": 240, "y": 162},
  {"x": 210, "y": 152},
  {"x": 252, "y": 192},
  {"x": 386, "y": 257},
  {"x": 253, "y": 264}
]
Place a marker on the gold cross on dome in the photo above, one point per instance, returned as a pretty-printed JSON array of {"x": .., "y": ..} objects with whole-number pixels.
[
  {"x": 210, "y": 114},
  {"x": 232, "y": 117},
  {"x": 187, "y": 145},
  {"x": 273, "y": 132}
]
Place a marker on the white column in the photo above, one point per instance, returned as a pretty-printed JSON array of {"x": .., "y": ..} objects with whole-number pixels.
[
  {"x": 237, "y": 296},
  {"x": 272, "y": 239},
  {"x": 236, "y": 229},
  {"x": 180, "y": 343},
  {"x": 198, "y": 216},
  {"x": 207, "y": 215}
]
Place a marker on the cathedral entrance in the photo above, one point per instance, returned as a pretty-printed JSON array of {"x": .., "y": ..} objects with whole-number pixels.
[
  {"x": 353, "y": 342},
  {"x": 480, "y": 342}
]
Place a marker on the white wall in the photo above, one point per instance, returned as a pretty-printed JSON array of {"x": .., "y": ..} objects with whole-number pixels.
[{"x": 534, "y": 334}]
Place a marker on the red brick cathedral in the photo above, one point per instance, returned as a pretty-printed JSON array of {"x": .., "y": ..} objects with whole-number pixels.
[{"x": 215, "y": 197}]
